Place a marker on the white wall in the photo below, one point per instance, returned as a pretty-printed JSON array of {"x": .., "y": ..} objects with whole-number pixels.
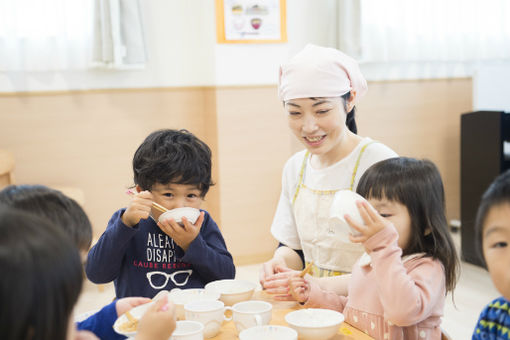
[
  {"x": 180, "y": 39},
  {"x": 182, "y": 51},
  {"x": 491, "y": 87}
]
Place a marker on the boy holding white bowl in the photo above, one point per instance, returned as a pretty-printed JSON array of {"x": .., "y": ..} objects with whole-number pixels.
[{"x": 172, "y": 169}]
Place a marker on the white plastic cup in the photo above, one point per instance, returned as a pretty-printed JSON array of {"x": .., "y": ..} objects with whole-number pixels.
[
  {"x": 188, "y": 330},
  {"x": 209, "y": 313},
  {"x": 251, "y": 313}
]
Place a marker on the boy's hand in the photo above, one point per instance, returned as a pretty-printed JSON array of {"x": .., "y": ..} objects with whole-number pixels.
[
  {"x": 139, "y": 208},
  {"x": 373, "y": 223},
  {"x": 299, "y": 288},
  {"x": 158, "y": 322},
  {"x": 184, "y": 234}
]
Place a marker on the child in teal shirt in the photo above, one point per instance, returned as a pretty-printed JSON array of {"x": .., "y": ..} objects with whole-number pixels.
[{"x": 493, "y": 230}]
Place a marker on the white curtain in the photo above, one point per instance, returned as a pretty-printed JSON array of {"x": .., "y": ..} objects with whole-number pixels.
[
  {"x": 434, "y": 30},
  {"x": 348, "y": 18},
  {"x": 118, "y": 35},
  {"x": 42, "y": 35}
]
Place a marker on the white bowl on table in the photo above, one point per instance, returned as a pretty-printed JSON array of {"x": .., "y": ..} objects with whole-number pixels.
[
  {"x": 137, "y": 313},
  {"x": 315, "y": 323},
  {"x": 178, "y": 213},
  {"x": 232, "y": 291},
  {"x": 268, "y": 332},
  {"x": 180, "y": 297}
]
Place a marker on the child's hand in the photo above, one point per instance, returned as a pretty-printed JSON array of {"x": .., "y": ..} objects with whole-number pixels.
[
  {"x": 278, "y": 283},
  {"x": 373, "y": 223},
  {"x": 139, "y": 208},
  {"x": 125, "y": 304},
  {"x": 299, "y": 288},
  {"x": 158, "y": 323},
  {"x": 184, "y": 234}
]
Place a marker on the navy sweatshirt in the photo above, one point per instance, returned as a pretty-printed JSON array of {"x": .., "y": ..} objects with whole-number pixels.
[
  {"x": 143, "y": 260},
  {"x": 101, "y": 323}
]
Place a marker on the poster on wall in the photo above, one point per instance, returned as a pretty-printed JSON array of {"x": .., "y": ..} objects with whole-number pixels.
[{"x": 251, "y": 21}]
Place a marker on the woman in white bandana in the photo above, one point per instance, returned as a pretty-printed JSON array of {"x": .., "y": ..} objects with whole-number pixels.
[{"x": 319, "y": 88}]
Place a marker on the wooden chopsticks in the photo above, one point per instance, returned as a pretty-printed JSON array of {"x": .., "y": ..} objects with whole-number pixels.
[
  {"x": 306, "y": 270},
  {"x": 159, "y": 207},
  {"x": 156, "y": 206}
]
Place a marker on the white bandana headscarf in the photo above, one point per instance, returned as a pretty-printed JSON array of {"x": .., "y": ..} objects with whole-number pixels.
[{"x": 320, "y": 72}]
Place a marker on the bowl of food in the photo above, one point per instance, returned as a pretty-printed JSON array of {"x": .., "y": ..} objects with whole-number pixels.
[
  {"x": 232, "y": 291},
  {"x": 180, "y": 297},
  {"x": 268, "y": 332},
  {"x": 344, "y": 203},
  {"x": 177, "y": 214},
  {"x": 127, "y": 323},
  {"x": 315, "y": 323}
]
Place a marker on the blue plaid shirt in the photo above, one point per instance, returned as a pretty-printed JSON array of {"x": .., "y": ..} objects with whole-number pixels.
[{"x": 494, "y": 321}]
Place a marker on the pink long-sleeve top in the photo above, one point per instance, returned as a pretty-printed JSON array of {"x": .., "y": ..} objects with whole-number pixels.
[{"x": 390, "y": 297}]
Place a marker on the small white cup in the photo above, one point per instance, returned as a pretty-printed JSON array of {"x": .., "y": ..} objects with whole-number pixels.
[
  {"x": 251, "y": 313},
  {"x": 188, "y": 330},
  {"x": 209, "y": 313}
]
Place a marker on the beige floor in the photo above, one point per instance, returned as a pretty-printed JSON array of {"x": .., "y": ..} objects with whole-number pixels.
[{"x": 474, "y": 290}]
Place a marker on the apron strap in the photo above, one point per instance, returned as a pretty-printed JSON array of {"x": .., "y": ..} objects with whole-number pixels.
[
  {"x": 321, "y": 272},
  {"x": 303, "y": 167},
  {"x": 301, "y": 173},
  {"x": 357, "y": 164}
]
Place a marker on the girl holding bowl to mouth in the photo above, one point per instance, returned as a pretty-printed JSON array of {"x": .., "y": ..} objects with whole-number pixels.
[{"x": 319, "y": 88}]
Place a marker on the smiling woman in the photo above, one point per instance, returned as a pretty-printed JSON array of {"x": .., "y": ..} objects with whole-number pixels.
[{"x": 319, "y": 88}]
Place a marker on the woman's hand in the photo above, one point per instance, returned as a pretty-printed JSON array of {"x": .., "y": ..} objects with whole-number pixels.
[
  {"x": 183, "y": 234},
  {"x": 158, "y": 323},
  {"x": 125, "y": 304},
  {"x": 278, "y": 284},
  {"x": 299, "y": 288},
  {"x": 373, "y": 223},
  {"x": 270, "y": 268},
  {"x": 283, "y": 259}
]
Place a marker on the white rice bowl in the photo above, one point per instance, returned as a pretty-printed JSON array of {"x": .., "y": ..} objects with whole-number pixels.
[
  {"x": 180, "y": 297},
  {"x": 315, "y": 323},
  {"x": 232, "y": 291}
]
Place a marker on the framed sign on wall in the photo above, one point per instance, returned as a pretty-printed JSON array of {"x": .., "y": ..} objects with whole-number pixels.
[{"x": 251, "y": 21}]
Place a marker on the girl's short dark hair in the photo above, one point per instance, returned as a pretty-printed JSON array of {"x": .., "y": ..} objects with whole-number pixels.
[
  {"x": 53, "y": 205},
  {"x": 41, "y": 277},
  {"x": 497, "y": 193},
  {"x": 173, "y": 156},
  {"x": 416, "y": 184}
]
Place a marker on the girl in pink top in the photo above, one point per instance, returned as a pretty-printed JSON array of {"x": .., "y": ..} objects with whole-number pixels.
[{"x": 398, "y": 287}]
